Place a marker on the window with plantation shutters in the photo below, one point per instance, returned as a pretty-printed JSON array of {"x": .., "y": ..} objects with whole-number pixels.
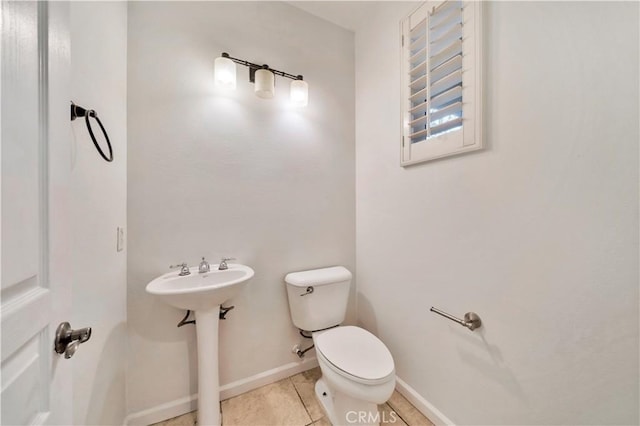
[{"x": 441, "y": 80}]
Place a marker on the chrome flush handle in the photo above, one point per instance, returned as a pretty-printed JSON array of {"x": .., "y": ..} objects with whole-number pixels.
[{"x": 308, "y": 291}]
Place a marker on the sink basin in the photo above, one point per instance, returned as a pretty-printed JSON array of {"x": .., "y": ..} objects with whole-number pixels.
[
  {"x": 200, "y": 291},
  {"x": 204, "y": 293}
]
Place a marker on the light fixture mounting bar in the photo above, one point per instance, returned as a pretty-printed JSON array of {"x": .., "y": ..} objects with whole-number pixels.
[{"x": 253, "y": 67}]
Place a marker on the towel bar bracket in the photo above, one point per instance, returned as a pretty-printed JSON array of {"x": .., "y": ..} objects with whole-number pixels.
[{"x": 471, "y": 319}]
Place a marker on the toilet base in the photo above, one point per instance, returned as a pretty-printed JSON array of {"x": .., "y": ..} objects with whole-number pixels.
[
  {"x": 343, "y": 410},
  {"x": 326, "y": 400}
]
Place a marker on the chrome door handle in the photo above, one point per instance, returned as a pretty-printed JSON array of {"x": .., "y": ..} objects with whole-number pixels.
[
  {"x": 71, "y": 349},
  {"x": 67, "y": 340}
]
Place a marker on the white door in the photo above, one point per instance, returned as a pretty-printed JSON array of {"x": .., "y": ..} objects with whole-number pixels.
[{"x": 35, "y": 252}]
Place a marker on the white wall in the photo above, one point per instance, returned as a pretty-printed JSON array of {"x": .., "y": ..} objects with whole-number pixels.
[
  {"x": 538, "y": 233},
  {"x": 213, "y": 173},
  {"x": 98, "y": 81}
]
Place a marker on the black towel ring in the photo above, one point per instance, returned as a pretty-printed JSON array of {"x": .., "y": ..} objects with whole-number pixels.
[{"x": 78, "y": 111}]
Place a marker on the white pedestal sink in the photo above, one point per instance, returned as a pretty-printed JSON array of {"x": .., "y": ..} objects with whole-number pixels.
[{"x": 204, "y": 293}]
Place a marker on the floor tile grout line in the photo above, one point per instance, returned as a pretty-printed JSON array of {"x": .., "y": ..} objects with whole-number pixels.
[
  {"x": 398, "y": 413},
  {"x": 302, "y": 401},
  {"x": 391, "y": 405}
]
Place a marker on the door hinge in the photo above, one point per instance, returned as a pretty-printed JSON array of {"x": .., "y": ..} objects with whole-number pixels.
[
  {"x": 403, "y": 141},
  {"x": 403, "y": 41}
]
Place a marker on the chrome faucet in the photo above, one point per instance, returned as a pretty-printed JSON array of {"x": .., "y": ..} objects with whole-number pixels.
[
  {"x": 204, "y": 267},
  {"x": 184, "y": 269},
  {"x": 223, "y": 263}
]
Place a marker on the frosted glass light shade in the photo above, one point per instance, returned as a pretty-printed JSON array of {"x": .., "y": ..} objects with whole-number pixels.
[
  {"x": 225, "y": 73},
  {"x": 299, "y": 93},
  {"x": 264, "y": 83}
]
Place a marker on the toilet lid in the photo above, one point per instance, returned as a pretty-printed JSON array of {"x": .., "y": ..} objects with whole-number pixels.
[{"x": 356, "y": 352}]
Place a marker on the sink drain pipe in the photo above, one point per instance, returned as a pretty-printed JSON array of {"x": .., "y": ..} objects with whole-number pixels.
[
  {"x": 223, "y": 316},
  {"x": 184, "y": 321}
]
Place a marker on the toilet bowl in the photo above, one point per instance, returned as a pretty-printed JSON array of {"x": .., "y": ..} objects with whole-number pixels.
[{"x": 358, "y": 371}]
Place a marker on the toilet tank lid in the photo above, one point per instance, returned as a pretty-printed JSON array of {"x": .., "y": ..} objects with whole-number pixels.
[{"x": 321, "y": 276}]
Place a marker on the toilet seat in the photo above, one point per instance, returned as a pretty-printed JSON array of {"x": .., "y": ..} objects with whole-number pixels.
[{"x": 355, "y": 353}]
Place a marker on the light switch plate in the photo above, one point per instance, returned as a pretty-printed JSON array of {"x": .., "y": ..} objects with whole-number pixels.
[{"x": 120, "y": 238}]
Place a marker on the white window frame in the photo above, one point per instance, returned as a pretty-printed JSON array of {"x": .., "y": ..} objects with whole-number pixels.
[{"x": 469, "y": 136}]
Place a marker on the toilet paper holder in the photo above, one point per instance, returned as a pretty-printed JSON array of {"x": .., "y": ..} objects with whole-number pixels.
[{"x": 471, "y": 319}]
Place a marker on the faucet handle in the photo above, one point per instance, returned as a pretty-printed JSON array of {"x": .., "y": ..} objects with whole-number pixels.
[
  {"x": 184, "y": 269},
  {"x": 223, "y": 263}
]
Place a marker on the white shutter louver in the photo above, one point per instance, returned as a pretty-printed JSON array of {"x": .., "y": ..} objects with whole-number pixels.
[
  {"x": 438, "y": 107},
  {"x": 440, "y": 80}
]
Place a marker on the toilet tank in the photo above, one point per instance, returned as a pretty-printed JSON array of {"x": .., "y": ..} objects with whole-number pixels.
[{"x": 318, "y": 297}]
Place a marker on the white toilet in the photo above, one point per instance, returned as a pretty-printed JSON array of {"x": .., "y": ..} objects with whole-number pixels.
[{"x": 358, "y": 372}]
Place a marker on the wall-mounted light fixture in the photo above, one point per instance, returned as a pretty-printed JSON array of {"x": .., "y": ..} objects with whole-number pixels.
[{"x": 263, "y": 78}]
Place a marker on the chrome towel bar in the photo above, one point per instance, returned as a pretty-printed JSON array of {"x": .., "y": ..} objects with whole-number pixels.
[{"x": 471, "y": 319}]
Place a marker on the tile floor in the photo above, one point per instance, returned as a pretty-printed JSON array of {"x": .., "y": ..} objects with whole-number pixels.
[{"x": 292, "y": 401}]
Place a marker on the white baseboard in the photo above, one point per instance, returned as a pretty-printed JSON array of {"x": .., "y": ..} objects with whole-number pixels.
[
  {"x": 187, "y": 404},
  {"x": 424, "y": 406},
  {"x": 162, "y": 412},
  {"x": 270, "y": 376}
]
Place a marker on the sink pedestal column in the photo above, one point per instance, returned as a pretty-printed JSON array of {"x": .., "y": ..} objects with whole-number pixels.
[{"x": 208, "y": 380}]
